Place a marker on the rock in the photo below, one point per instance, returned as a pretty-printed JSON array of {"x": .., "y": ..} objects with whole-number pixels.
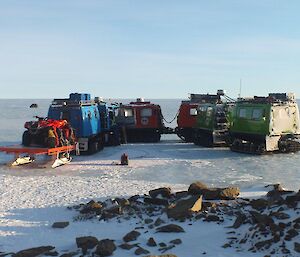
[
  {"x": 164, "y": 255},
  {"x": 92, "y": 206},
  {"x": 163, "y": 191},
  {"x": 266, "y": 244},
  {"x": 151, "y": 242},
  {"x": 140, "y": 251},
  {"x": 116, "y": 210},
  {"x": 229, "y": 193},
  {"x": 176, "y": 241},
  {"x": 158, "y": 222},
  {"x": 170, "y": 228},
  {"x": 126, "y": 246},
  {"x": 69, "y": 254},
  {"x": 61, "y": 224},
  {"x": 196, "y": 188},
  {"x": 156, "y": 201},
  {"x": 293, "y": 200},
  {"x": 259, "y": 204},
  {"x": 261, "y": 218},
  {"x": 181, "y": 194},
  {"x": 206, "y": 205},
  {"x": 122, "y": 202},
  {"x": 86, "y": 242},
  {"x": 291, "y": 234},
  {"x": 162, "y": 244},
  {"x": 297, "y": 247},
  {"x": 240, "y": 219},
  {"x": 184, "y": 208},
  {"x": 131, "y": 236},
  {"x": 32, "y": 252},
  {"x": 213, "y": 218},
  {"x": 54, "y": 253},
  {"x": 105, "y": 247},
  {"x": 148, "y": 221},
  {"x": 280, "y": 215}
]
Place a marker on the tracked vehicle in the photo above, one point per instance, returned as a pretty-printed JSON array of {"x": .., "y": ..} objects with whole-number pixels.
[
  {"x": 265, "y": 124},
  {"x": 140, "y": 121},
  {"x": 213, "y": 120},
  {"x": 187, "y": 118}
]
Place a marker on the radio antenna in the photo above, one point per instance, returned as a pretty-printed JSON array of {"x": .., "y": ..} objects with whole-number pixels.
[{"x": 240, "y": 92}]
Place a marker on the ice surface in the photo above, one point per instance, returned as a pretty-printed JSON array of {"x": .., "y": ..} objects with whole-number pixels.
[{"x": 31, "y": 199}]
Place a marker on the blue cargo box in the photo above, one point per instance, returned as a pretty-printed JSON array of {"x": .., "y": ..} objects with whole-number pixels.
[{"x": 80, "y": 97}]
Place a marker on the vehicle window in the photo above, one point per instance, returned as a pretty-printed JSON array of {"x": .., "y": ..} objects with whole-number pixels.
[
  {"x": 128, "y": 112},
  {"x": 202, "y": 108},
  {"x": 193, "y": 112},
  {"x": 242, "y": 113},
  {"x": 257, "y": 114},
  {"x": 209, "y": 111},
  {"x": 147, "y": 112}
]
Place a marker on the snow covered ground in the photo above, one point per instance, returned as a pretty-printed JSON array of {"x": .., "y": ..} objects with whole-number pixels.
[{"x": 32, "y": 199}]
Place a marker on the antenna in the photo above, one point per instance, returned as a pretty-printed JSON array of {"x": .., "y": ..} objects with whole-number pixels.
[{"x": 240, "y": 92}]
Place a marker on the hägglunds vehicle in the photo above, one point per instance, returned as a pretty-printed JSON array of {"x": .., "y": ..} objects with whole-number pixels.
[
  {"x": 140, "y": 121},
  {"x": 86, "y": 117},
  {"x": 265, "y": 124},
  {"x": 213, "y": 114}
]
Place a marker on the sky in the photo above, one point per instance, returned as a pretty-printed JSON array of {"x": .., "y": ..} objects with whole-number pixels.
[{"x": 150, "y": 49}]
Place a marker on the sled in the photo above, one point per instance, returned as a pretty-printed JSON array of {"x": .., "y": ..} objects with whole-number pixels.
[{"x": 26, "y": 155}]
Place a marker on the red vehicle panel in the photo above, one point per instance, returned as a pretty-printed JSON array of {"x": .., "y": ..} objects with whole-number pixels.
[{"x": 187, "y": 115}]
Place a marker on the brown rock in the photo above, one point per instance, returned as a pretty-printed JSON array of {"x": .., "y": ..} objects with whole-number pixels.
[
  {"x": 229, "y": 193},
  {"x": 297, "y": 247},
  {"x": 92, "y": 206},
  {"x": 176, "y": 241},
  {"x": 181, "y": 194},
  {"x": 240, "y": 219},
  {"x": 261, "y": 218},
  {"x": 196, "y": 188},
  {"x": 291, "y": 234},
  {"x": 140, "y": 251},
  {"x": 158, "y": 222},
  {"x": 62, "y": 224},
  {"x": 184, "y": 208},
  {"x": 122, "y": 202},
  {"x": 280, "y": 215},
  {"x": 86, "y": 242},
  {"x": 170, "y": 228},
  {"x": 259, "y": 204},
  {"x": 164, "y": 255},
  {"x": 105, "y": 247},
  {"x": 213, "y": 218},
  {"x": 156, "y": 201},
  {"x": 32, "y": 252},
  {"x": 151, "y": 242},
  {"x": 163, "y": 191},
  {"x": 131, "y": 236},
  {"x": 126, "y": 246}
]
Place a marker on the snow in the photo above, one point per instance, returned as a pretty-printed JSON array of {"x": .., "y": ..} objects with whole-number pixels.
[{"x": 31, "y": 199}]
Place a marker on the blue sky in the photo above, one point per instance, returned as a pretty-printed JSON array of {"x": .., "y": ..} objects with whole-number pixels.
[{"x": 151, "y": 49}]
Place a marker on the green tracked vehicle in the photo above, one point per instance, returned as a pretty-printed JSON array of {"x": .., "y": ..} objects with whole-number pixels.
[
  {"x": 213, "y": 115},
  {"x": 265, "y": 124}
]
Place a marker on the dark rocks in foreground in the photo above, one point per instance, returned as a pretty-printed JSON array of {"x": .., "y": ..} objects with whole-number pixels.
[
  {"x": 32, "y": 252},
  {"x": 265, "y": 225}
]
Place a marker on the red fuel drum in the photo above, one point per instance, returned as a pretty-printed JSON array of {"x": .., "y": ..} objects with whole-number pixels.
[
  {"x": 141, "y": 120},
  {"x": 186, "y": 120}
]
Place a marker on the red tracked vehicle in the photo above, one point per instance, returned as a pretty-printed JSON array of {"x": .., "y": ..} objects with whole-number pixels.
[
  {"x": 187, "y": 114},
  {"x": 140, "y": 121}
]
